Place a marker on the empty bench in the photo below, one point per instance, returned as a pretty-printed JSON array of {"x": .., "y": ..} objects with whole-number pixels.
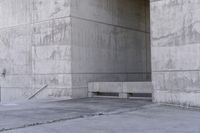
[{"x": 137, "y": 90}]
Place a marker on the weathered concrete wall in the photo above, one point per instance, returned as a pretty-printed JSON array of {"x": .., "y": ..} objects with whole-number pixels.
[
  {"x": 34, "y": 48},
  {"x": 109, "y": 42},
  {"x": 175, "y": 51},
  {"x": 67, "y": 43}
]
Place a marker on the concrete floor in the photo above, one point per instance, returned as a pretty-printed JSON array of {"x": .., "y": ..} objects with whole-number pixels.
[{"x": 97, "y": 115}]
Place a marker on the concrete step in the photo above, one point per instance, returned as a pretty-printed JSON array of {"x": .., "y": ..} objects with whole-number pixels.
[{"x": 137, "y": 90}]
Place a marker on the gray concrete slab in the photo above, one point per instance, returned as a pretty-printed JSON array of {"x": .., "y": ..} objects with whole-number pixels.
[
  {"x": 14, "y": 116},
  {"x": 160, "y": 119},
  {"x": 98, "y": 116}
]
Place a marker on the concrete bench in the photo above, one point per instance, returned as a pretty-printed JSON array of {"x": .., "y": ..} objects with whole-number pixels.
[{"x": 120, "y": 89}]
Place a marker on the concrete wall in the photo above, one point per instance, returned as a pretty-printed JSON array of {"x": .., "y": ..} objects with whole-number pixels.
[
  {"x": 110, "y": 42},
  {"x": 175, "y": 51},
  {"x": 67, "y": 43},
  {"x": 34, "y": 48}
]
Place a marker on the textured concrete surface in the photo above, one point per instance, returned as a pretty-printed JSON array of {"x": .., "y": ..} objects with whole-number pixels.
[
  {"x": 34, "y": 49},
  {"x": 175, "y": 51},
  {"x": 123, "y": 89},
  {"x": 27, "y": 114},
  {"x": 67, "y": 43},
  {"x": 109, "y": 42},
  {"x": 100, "y": 116}
]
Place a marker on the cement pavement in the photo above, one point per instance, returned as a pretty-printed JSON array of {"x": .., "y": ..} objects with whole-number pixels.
[{"x": 98, "y": 115}]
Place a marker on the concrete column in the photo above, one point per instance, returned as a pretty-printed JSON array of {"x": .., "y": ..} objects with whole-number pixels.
[
  {"x": 34, "y": 48},
  {"x": 175, "y": 47}
]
